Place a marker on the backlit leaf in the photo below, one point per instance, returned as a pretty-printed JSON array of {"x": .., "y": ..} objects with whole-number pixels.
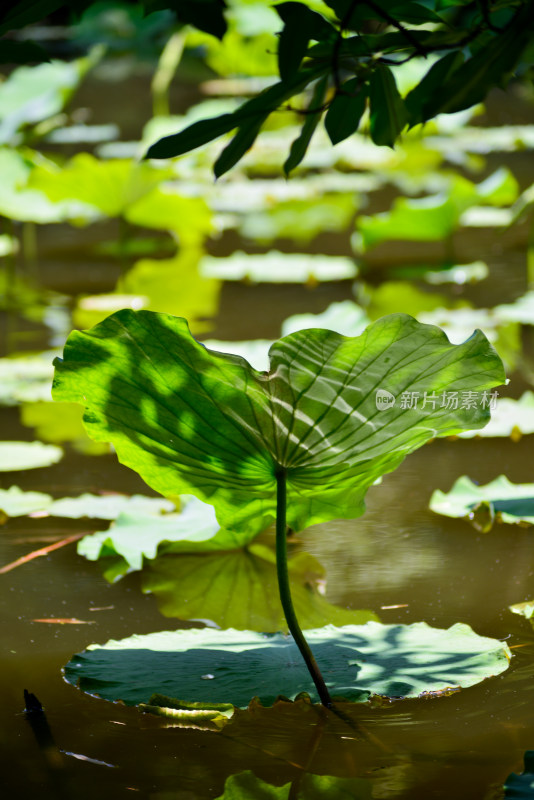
[
  {"x": 199, "y": 422},
  {"x": 239, "y": 589}
]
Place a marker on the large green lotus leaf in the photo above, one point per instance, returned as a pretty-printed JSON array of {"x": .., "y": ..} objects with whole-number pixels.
[
  {"x": 28, "y": 455},
  {"x": 510, "y": 502},
  {"x": 459, "y": 322},
  {"x": 239, "y": 589},
  {"x": 521, "y": 787},
  {"x": 194, "y": 421},
  {"x": 139, "y": 535},
  {"x": 275, "y": 267},
  {"x": 58, "y": 424},
  {"x": 111, "y": 187},
  {"x": 207, "y": 665},
  {"x": 511, "y": 418},
  {"x": 246, "y": 786}
]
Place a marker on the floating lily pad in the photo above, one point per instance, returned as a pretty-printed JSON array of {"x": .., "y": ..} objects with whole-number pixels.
[
  {"x": 300, "y": 220},
  {"x": 510, "y": 502},
  {"x": 511, "y": 418},
  {"x": 136, "y": 536},
  {"x": 14, "y": 502},
  {"x": 521, "y": 787},
  {"x": 246, "y": 786},
  {"x": 357, "y": 661},
  {"x": 239, "y": 589},
  {"x": 435, "y": 217},
  {"x": 28, "y": 455},
  {"x": 521, "y": 310},
  {"x": 26, "y": 378},
  {"x": 525, "y": 609},
  {"x": 275, "y": 267},
  {"x": 346, "y": 318}
]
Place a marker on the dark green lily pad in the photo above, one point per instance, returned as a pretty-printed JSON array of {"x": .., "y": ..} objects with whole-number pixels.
[
  {"x": 521, "y": 787},
  {"x": 357, "y": 661}
]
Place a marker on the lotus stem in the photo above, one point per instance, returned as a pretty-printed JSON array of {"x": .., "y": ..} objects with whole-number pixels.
[{"x": 285, "y": 592}]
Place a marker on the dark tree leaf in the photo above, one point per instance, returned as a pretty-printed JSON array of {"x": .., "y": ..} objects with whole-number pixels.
[
  {"x": 423, "y": 95},
  {"x": 206, "y": 15},
  {"x": 346, "y": 109},
  {"x": 300, "y": 25},
  {"x": 242, "y": 141},
  {"x": 388, "y": 112},
  {"x": 491, "y": 66},
  {"x": 206, "y": 130},
  {"x": 300, "y": 145}
]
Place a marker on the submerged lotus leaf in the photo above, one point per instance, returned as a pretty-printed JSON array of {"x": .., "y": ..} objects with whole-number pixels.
[
  {"x": 199, "y": 422},
  {"x": 239, "y": 589},
  {"x": 511, "y": 502},
  {"x": 509, "y": 417},
  {"x": 136, "y": 536},
  {"x": 275, "y": 267},
  {"x": 356, "y": 660},
  {"x": 28, "y": 455},
  {"x": 246, "y": 786},
  {"x": 521, "y": 787}
]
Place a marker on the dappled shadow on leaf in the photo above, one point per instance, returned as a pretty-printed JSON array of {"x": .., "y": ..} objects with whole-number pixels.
[{"x": 233, "y": 666}]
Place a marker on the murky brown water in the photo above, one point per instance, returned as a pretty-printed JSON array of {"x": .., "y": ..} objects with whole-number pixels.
[{"x": 399, "y": 554}]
